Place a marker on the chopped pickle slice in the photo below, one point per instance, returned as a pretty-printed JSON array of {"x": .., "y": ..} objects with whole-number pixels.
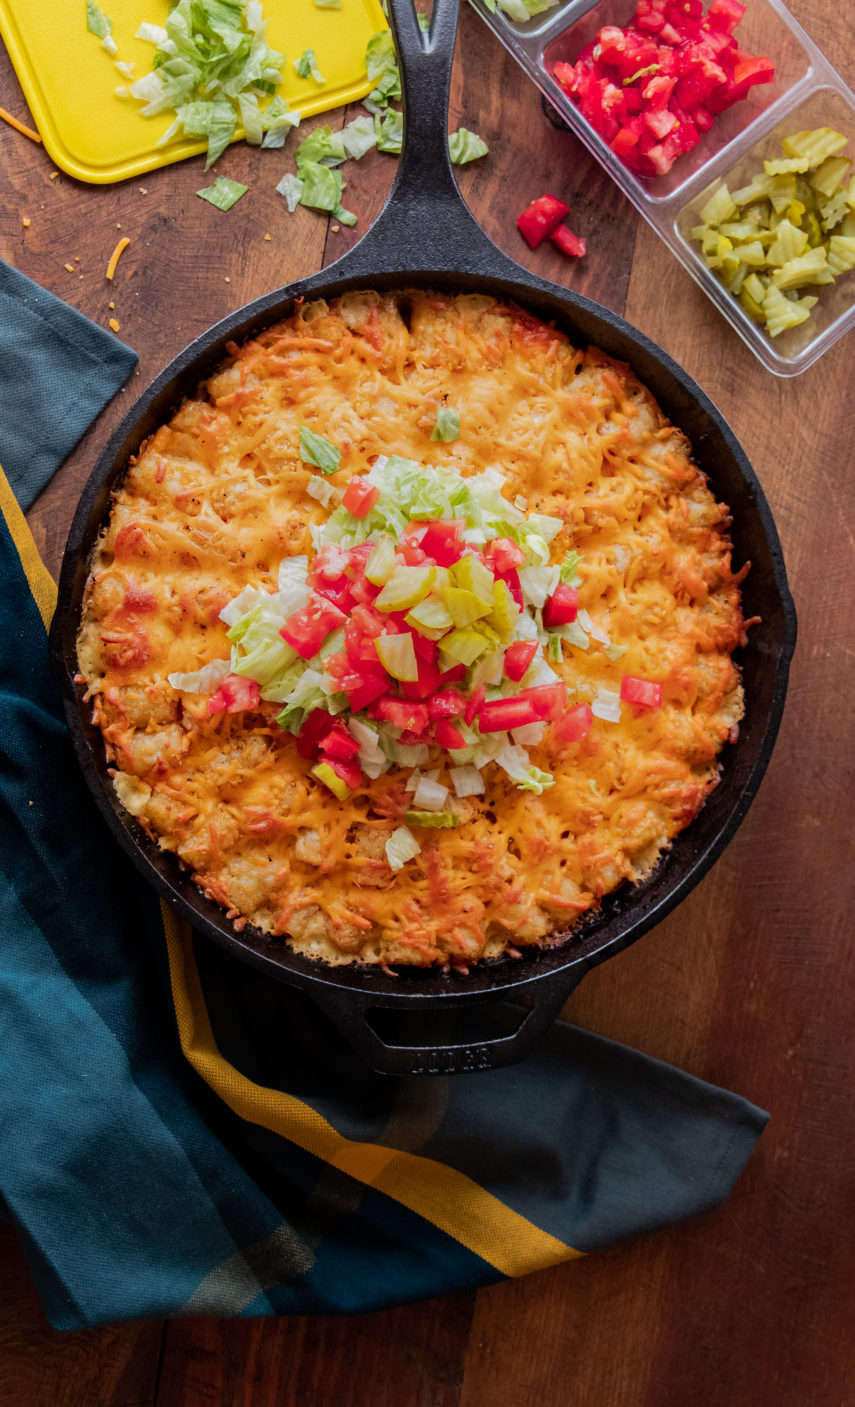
[
  {"x": 382, "y": 562},
  {"x": 397, "y": 654},
  {"x": 797, "y": 272},
  {"x": 830, "y": 175},
  {"x": 406, "y": 587},
  {"x": 445, "y": 820},
  {"x": 471, "y": 575},
  {"x": 464, "y": 606},
  {"x": 816, "y": 144},
  {"x": 462, "y": 647},
  {"x": 505, "y": 612},
  {"x": 430, "y": 617},
  {"x": 324, "y": 773}
]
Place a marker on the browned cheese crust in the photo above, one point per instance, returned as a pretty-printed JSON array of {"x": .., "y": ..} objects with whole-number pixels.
[{"x": 217, "y": 497}]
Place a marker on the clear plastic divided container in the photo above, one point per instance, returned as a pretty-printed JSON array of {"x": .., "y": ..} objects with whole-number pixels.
[{"x": 807, "y": 92}]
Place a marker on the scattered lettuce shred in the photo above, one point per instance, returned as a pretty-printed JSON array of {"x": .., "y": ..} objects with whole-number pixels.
[
  {"x": 315, "y": 450},
  {"x": 98, "y": 24},
  {"x": 307, "y": 66},
  {"x": 383, "y": 128},
  {"x": 212, "y": 64},
  {"x": 447, "y": 424},
  {"x": 465, "y": 146},
  {"x": 224, "y": 193}
]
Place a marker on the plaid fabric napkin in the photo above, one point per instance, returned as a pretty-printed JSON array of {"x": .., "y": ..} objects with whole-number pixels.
[{"x": 181, "y": 1135}]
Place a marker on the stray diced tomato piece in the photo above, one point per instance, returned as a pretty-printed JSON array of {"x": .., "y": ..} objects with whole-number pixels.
[
  {"x": 574, "y": 724},
  {"x": 448, "y": 736},
  {"x": 349, "y": 771},
  {"x": 567, "y": 242},
  {"x": 235, "y": 694},
  {"x": 306, "y": 630},
  {"x": 503, "y": 556},
  {"x": 338, "y": 741},
  {"x": 362, "y": 680},
  {"x": 357, "y": 558},
  {"x": 474, "y": 703},
  {"x": 427, "y": 682},
  {"x": 725, "y": 15},
  {"x": 643, "y": 693},
  {"x": 360, "y": 497},
  {"x": 547, "y": 700},
  {"x": 752, "y": 71},
  {"x": 544, "y": 215},
  {"x": 561, "y": 607},
  {"x": 425, "y": 649},
  {"x": 410, "y": 553},
  {"x": 329, "y": 564},
  {"x": 503, "y": 714},
  {"x": 443, "y": 540},
  {"x": 448, "y": 703},
  {"x": 403, "y": 713},
  {"x": 563, "y": 73},
  {"x": 339, "y": 592},
  {"x": 315, "y": 726},
  {"x": 519, "y": 657}
]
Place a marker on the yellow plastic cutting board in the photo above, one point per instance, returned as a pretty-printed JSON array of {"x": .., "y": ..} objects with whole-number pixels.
[{"x": 69, "y": 80}]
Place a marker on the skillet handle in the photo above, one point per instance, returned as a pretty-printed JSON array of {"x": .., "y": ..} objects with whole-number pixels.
[
  {"x": 425, "y": 222},
  {"x": 349, "y": 1010}
]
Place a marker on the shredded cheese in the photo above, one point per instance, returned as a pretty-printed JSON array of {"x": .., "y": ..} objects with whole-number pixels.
[
  {"x": 19, "y": 126},
  {"x": 218, "y": 497},
  {"x": 114, "y": 257}
]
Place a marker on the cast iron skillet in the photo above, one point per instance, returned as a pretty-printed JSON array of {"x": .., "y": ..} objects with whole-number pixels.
[{"x": 425, "y": 237}]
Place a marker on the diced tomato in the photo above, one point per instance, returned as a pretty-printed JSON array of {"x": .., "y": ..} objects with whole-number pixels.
[
  {"x": 474, "y": 703},
  {"x": 501, "y": 714},
  {"x": 235, "y": 694},
  {"x": 315, "y": 726},
  {"x": 306, "y": 630},
  {"x": 425, "y": 649},
  {"x": 357, "y": 558},
  {"x": 453, "y": 676},
  {"x": 410, "y": 739},
  {"x": 448, "y": 703},
  {"x": 518, "y": 658},
  {"x": 402, "y": 713},
  {"x": 574, "y": 724},
  {"x": 547, "y": 700},
  {"x": 443, "y": 540},
  {"x": 360, "y": 497},
  {"x": 410, "y": 553},
  {"x": 349, "y": 770},
  {"x": 673, "y": 67},
  {"x": 540, "y": 218},
  {"x": 512, "y": 581},
  {"x": 339, "y": 742},
  {"x": 362, "y": 680},
  {"x": 561, "y": 607},
  {"x": 725, "y": 15},
  {"x": 752, "y": 71},
  {"x": 448, "y": 736},
  {"x": 567, "y": 242},
  {"x": 427, "y": 682},
  {"x": 504, "y": 556},
  {"x": 360, "y": 633},
  {"x": 329, "y": 564},
  {"x": 643, "y": 693},
  {"x": 339, "y": 592}
]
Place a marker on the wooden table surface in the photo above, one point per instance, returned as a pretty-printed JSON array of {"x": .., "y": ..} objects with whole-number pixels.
[{"x": 748, "y": 984}]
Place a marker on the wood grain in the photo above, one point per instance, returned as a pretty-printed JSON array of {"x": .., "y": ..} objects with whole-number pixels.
[{"x": 747, "y": 984}]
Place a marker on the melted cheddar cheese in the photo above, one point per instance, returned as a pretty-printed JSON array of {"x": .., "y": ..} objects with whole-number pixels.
[{"x": 218, "y": 496}]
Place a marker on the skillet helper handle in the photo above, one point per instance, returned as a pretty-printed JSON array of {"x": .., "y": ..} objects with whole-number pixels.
[
  {"x": 349, "y": 1011},
  {"x": 425, "y": 222}
]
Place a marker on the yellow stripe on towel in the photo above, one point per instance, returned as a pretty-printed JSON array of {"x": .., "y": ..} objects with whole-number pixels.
[
  {"x": 41, "y": 582},
  {"x": 443, "y": 1196}
]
